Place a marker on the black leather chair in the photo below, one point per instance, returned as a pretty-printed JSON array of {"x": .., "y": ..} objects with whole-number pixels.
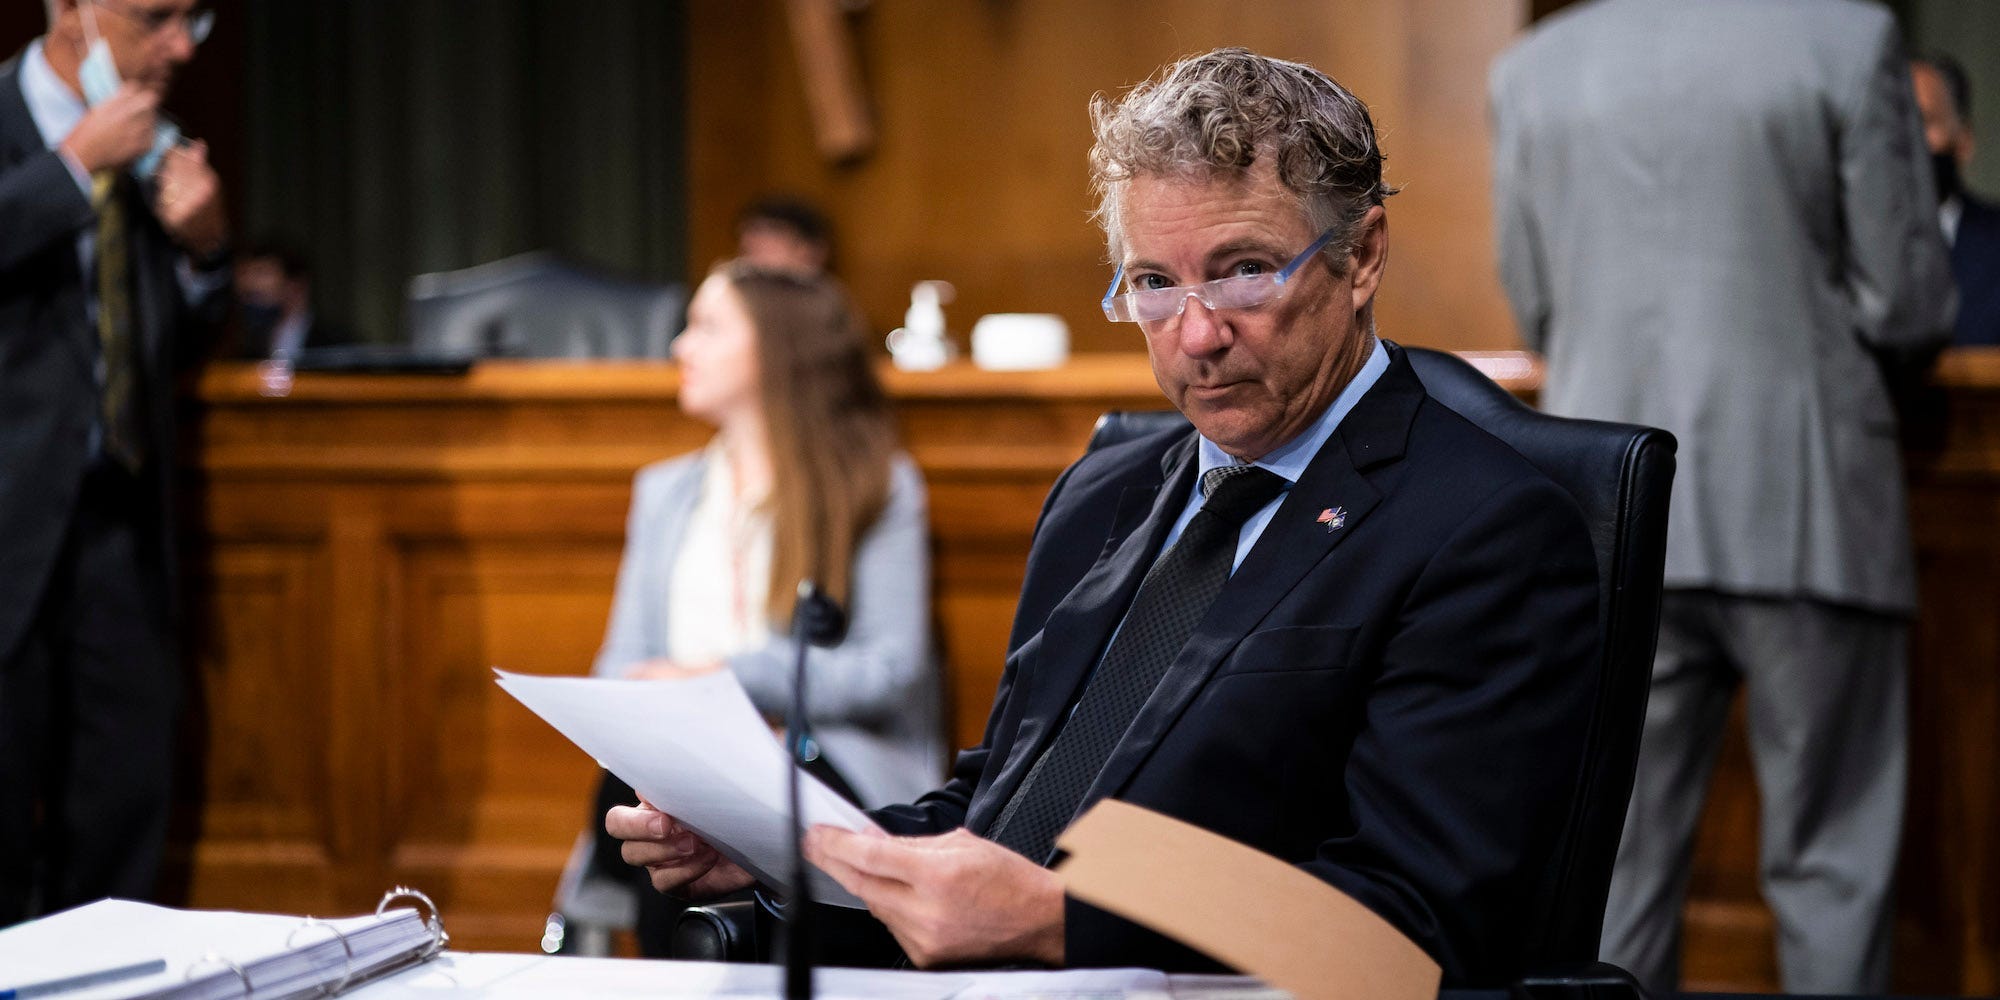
[
  {"x": 1620, "y": 476},
  {"x": 537, "y": 305}
]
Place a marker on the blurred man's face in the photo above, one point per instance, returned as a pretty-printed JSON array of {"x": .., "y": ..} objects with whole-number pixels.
[
  {"x": 1944, "y": 130},
  {"x": 262, "y": 280},
  {"x": 767, "y": 244},
  {"x": 149, "y": 39}
]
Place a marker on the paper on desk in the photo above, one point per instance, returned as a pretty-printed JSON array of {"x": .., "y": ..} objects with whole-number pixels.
[
  {"x": 698, "y": 750},
  {"x": 1276, "y": 922},
  {"x": 521, "y": 977}
]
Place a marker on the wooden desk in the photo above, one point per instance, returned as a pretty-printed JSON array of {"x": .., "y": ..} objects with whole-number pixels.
[{"x": 367, "y": 546}]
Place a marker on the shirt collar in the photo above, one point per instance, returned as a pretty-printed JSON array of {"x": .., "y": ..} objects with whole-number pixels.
[
  {"x": 1952, "y": 210},
  {"x": 55, "y": 108},
  {"x": 1291, "y": 458}
]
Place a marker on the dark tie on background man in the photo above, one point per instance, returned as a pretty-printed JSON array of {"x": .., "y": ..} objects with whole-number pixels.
[
  {"x": 114, "y": 319},
  {"x": 1173, "y": 597}
]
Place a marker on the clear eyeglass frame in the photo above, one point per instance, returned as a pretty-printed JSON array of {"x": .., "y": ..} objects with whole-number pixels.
[
  {"x": 1243, "y": 291},
  {"x": 198, "y": 23}
]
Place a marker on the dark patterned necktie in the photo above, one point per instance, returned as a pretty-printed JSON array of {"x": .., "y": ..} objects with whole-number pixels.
[
  {"x": 1173, "y": 597},
  {"x": 114, "y": 322}
]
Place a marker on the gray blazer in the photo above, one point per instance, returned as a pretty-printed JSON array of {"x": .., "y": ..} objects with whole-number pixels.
[
  {"x": 874, "y": 699},
  {"x": 1713, "y": 215}
]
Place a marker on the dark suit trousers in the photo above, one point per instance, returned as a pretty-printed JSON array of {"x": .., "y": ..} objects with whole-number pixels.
[{"x": 87, "y": 705}]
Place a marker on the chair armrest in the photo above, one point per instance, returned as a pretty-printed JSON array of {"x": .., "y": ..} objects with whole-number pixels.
[
  {"x": 718, "y": 932},
  {"x": 1578, "y": 981}
]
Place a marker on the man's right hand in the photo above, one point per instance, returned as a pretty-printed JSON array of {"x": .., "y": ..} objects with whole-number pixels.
[
  {"x": 116, "y": 132},
  {"x": 680, "y": 863}
]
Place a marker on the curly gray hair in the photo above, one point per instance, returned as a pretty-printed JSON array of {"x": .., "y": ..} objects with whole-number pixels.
[{"x": 1217, "y": 113}]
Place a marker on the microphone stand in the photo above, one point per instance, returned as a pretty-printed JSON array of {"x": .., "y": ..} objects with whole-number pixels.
[{"x": 816, "y": 621}]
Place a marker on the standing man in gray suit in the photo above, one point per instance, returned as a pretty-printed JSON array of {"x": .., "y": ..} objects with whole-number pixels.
[{"x": 1716, "y": 217}]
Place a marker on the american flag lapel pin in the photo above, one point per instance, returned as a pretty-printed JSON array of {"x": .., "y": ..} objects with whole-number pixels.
[{"x": 1333, "y": 517}]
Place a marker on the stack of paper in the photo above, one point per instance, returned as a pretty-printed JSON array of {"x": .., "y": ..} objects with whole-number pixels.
[
  {"x": 698, "y": 750},
  {"x": 207, "y": 954}
]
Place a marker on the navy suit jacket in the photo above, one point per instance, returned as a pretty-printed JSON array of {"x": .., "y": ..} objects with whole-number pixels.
[
  {"x": 48, "y": 358},
  {"x": 1393, "y": 705},
  {"x": 1975, "y": 265}
]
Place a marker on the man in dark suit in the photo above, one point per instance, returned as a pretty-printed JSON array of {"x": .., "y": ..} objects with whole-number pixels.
[
  {"x": 1971, "y": 224},
  {"x": 274, "y": 303},
  {"x": 99, "y": 260},
  {"x": 1337, "y": 622}
]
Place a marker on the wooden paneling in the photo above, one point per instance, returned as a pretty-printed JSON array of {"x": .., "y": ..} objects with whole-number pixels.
[
  {"x": 1948, "y": 913},
  {"x": 979, "y": 177}
]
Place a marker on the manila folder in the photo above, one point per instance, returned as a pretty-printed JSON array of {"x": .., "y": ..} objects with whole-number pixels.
[{"x": 1273, "y": 921}]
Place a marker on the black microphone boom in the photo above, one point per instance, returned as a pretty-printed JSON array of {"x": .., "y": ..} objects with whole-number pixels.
[
  {"x": 816, "y": 621},
  {"x": 819, "y": 618}
]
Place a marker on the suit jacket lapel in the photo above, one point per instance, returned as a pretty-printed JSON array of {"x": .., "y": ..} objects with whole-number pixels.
[
  {"x": 20, "y": 139},
  {"x": 18, "y": 135},
  {"x": 1374, "y": 433},
  {"x": 1074, "y": 636}
]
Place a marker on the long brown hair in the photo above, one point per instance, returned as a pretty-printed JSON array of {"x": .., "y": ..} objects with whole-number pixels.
[{"x": 830, "y": 432}]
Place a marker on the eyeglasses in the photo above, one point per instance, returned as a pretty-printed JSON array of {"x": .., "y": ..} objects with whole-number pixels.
[
  {"x": 196, "y": 23},
  {"x": 1241, "y": 291}
]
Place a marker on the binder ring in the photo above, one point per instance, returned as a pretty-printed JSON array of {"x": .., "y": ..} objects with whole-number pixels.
[
  {"x": 435, "y": 922},
  {"x": 214, "y": 959},
  {"x": 347, "y": 973}
]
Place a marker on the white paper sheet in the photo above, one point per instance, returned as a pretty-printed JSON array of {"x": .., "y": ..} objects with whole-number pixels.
[
  {"x": 699, "y": 751},
  {"x": 1067, "y": 984}
]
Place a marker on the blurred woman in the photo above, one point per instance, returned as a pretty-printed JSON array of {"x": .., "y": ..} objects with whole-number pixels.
[{"x": 802, "y": 480}]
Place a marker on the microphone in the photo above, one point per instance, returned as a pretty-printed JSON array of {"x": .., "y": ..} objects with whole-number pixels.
[{"x": 817, "y": 620}]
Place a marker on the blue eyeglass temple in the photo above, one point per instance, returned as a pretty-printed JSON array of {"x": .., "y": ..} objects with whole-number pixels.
[{"x": 1284, "y": 273}]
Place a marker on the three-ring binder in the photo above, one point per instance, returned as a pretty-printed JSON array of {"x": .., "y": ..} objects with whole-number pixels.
[
  {"x": 428, "y": 916},
  {"x": 347, "y": 972},
  {"x": 213, "y": 958},
  {"x": 435, "y": 922}
]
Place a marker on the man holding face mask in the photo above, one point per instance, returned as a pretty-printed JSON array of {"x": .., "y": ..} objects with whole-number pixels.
[{"x": 112, "y": 247}]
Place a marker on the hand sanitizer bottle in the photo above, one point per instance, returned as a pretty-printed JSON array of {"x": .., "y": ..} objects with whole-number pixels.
[{"x": 920, "y": 344}]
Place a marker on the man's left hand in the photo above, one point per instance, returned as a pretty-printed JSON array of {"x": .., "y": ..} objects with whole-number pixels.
[
  {"x": 188, "y": 201},
  {"x": 950, "y": 900}
]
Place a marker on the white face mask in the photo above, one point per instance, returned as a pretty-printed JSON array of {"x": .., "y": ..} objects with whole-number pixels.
[{"x": 98, "y": 75}]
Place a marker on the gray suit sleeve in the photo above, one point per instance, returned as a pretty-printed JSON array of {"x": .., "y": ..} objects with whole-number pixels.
[
  {"x": 885, "y": 658},
  {"x": 1521, "y": 265},
  {"x": 1898, "y": 270},
  {"x": 625, "y": 637}
]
